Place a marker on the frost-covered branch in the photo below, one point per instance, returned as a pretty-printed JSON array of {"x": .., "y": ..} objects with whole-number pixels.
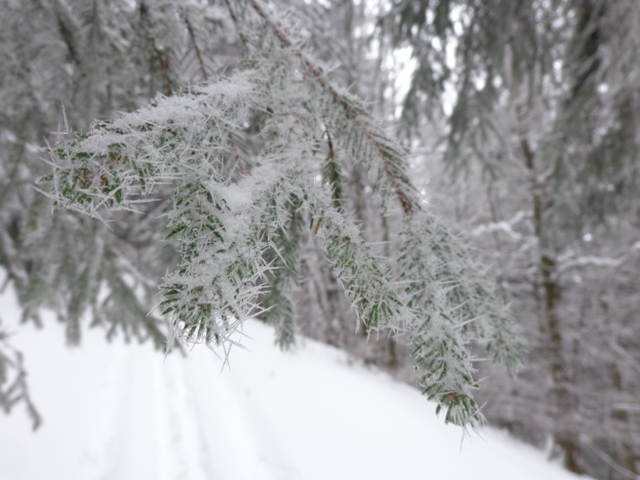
[{"x": 240, "y": 235}]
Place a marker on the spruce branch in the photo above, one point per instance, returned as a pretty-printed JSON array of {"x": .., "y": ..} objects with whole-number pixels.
[
  {"x": 449, "y": 305},
  {"x": 284, "y": 258},
  {"x": 441, "y": 278},
  {"x": 332, "y": 174},
  {"x": 239, "y": 237}
]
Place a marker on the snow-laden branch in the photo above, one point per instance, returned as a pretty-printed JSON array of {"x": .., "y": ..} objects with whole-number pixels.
[
  {"x": 239, "y": 236},
  {"x": 589, "y": 261},
  {"x": 503, "y": 226}
]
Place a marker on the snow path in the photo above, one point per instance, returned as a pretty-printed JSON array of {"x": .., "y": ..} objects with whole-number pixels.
[{"x": 119, "y": 412}]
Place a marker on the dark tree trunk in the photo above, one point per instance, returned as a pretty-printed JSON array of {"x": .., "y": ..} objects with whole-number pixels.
[{"x": 563, "y": 400}]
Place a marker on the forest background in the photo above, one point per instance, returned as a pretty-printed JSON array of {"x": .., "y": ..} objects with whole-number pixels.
[{"x": 522, "y": 122}]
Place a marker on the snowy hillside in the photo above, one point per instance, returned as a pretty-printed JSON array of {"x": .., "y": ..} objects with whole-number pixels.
[{"x": 116, "y": 412}]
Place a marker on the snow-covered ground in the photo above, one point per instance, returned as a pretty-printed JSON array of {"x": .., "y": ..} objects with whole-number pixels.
[{"x": 119, "y": 412}]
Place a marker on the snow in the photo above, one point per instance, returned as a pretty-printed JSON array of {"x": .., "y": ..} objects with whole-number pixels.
[{"x": 116, "y": 411}]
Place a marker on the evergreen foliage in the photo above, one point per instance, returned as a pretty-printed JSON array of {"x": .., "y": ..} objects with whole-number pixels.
[{"x": 239, "y": 236}]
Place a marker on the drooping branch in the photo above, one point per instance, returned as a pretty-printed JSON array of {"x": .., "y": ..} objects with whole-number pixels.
[{"x": 239, "y": 240}]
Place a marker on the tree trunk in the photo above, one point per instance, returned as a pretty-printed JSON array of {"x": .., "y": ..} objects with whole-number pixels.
[{"x": 563, "y": 400}]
